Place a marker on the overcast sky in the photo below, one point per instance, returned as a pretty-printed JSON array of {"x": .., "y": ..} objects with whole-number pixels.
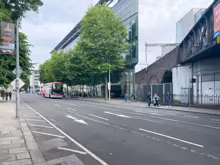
[{"x": 157, "y": 24}]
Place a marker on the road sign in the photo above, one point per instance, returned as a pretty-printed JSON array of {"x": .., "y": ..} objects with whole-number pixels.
[
  {"x": 19, "y": 71},
  {"x": 15, "y": 84},
  {"x": 109, "y": 86}
]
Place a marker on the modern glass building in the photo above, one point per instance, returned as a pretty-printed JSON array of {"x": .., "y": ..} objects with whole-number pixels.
[
  {"x": 185, "y": 24},
  {"x": 127, "y": 10}
]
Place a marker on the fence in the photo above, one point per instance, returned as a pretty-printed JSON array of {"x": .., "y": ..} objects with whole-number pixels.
[{"x": 186, "y": 98}]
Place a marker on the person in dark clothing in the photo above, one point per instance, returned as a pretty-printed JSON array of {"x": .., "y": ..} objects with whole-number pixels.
[
  {"x": 156, "y": 100},
  {"x": 10, "y": 94},
  {"x": 168, "y": 99},
  {"x": 6, "y": 95},
  {"x": 149, "y": 99}
]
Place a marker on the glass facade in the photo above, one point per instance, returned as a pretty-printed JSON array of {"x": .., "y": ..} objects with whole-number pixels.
[{"x": 127, "y": 10}]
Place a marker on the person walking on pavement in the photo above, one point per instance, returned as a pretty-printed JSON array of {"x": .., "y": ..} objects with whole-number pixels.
[
  {"x": 149, "y": 99},
  {"x": 10, "y": 94},
  {"x": 168, "y": 99},
  {"x": 156, "y": 100},
  {"x": 126, "y": 98},
  {"x": 6, "y": 95}
]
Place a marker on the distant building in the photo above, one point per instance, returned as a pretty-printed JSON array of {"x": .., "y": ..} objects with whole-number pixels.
[
  {"x": 34, "y": 80},
  {"x": 186, "y": 23}
]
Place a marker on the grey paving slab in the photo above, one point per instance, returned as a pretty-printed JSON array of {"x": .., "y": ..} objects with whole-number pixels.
[
  {"x": 24, "y": 155},
  {"x": 6, "y": 157},
  {"x": 37, "y": 156},
  {"x": 5, "y": 142},
  {"x": 17, "y": 150},
  {"x": 9, "y": 146},
  {"x": 19, "y": 141},
  {"x": 3, "y": 151},
  {"x": 25, "y": 162}
]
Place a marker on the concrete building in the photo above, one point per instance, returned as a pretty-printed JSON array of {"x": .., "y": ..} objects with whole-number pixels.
[
  {"x": 34, "y": 81},
  {"x": 186, "y": 23},
  {"x": 128, "y": 11}
]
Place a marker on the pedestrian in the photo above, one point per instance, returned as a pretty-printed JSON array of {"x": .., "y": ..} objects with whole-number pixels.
[
  {"x": 168, "y": 99},
  {"x": 149, "y": 99},
  {"x": 6, "y": 95},
  {"x": 156, "y": 100},
  {"x": 132, "y": 97},
  {"x": 135, "y": 97},
  {"x": 126, "y": 97},
  {"x": 10, "y": 94}
]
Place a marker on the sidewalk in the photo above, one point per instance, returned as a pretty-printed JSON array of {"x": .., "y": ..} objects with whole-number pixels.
[
  {"x": 144, "y": 105},
  {"x": 17, "y": 145}
]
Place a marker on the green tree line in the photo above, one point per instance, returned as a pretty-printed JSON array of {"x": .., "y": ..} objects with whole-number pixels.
[
  {"x": 103, "y": 41},
  {"x": 10, "y": 11}
]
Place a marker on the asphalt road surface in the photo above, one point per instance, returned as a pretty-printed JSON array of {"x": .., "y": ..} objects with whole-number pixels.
[{"x": 93, "y": 133}]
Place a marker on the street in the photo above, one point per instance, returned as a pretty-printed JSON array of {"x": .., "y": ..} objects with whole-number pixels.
[{"x": 100, "y": 133}]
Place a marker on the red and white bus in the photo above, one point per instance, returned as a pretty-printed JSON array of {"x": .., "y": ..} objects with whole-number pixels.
[{"x": 53, "y": 90}]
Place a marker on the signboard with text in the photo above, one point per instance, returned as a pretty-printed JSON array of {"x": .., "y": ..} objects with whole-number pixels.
[
  {"x": 216, "y": 14},
  {"x": 7, "y": 38}
]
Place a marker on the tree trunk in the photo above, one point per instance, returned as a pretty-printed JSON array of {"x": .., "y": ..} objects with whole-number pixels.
[{"x": 106, "y": 87}]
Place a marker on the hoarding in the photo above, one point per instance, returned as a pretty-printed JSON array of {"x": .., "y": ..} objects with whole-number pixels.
[
  {"x": 216, "y": 14},
  {"x": 7, "y": 38}
]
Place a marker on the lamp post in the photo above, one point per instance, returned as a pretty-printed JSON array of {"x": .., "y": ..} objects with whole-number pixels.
[{"x": 17, "y": 70}]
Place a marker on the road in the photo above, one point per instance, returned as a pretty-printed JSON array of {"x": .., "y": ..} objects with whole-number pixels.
[{"x": 100, "y": 133}]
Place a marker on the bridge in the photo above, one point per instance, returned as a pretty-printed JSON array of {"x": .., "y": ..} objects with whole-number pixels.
[{"x": 198, "y": 54}]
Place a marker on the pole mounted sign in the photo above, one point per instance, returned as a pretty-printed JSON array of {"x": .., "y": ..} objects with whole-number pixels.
[
  {"x": 216, "y": 14},
  {"x": 7, "y": 38}
]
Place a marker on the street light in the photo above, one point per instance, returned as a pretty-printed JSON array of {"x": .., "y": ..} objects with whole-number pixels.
[{"x": 17, "y": 69}]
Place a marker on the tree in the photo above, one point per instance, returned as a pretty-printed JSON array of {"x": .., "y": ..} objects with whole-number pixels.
[
  {"x": 8, "y": 62},
  {"x": 18, "y": 8},
  {"x": 103, "y": 40},
  {"x": 10, "y": 11}
]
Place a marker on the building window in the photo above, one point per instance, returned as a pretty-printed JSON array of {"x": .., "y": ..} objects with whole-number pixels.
[{"x": 207, "y": 78}]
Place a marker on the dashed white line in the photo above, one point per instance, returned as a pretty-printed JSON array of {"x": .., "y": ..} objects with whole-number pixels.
[
  {"x": 43, "y": 126},
  {"x": 57, "y": 105},
  {"x": 195, "y": 117},
  {"x": 216, "y": 120},
  {"x": 49, "y": 134},
  {"x": 71, "y": 150},
  {"x": 98, "y": 117},
  {"x": 213, "y": 157},
  {"x": 71, "y": 109},
  {"x": 170, "y": 137}
]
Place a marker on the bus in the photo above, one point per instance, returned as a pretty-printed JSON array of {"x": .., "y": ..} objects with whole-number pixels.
[{"x": 53, "y": 90}]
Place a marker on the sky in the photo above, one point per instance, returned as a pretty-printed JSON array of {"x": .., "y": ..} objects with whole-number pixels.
[{"x": 157, "y": 24}]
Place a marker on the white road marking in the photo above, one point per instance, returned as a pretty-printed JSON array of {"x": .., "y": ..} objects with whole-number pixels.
[
  {"x": 43, "y": 126},
  {"x": 153, "y": 121},
  {"x": 156, "y": 114},
  {"x": 57, "y": 105},
  {"x": 98, "y": 117},
  {"x": 170, "y": 137},
  {"x": 70, "y": 138},
  {"x": 77, "y": 120},
  {"x": 216, "y": 120},
  {"x": 49, "y": 134},
  {"x": 196, "y": 117},
  {"x": 35, "y": 120},
  {"x": 115, "y": 114},
  {"x": 71, "y": 150},
  {"x": 71, "y": 109},
  {"x": 213, "y": 157},
  {"x": 73, "y": 105}
]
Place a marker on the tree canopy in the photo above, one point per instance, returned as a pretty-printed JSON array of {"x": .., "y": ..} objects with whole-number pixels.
[
  {"x": 10, "y": 11},
  {"x": 103, "y": 41}
]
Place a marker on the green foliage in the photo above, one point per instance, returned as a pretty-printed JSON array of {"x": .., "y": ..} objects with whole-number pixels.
[
  {"x": 103, "y": 40},
  {"x": 10, "y": 11},
  {"x": 8, "y": 62},
  {"x": 18, "y": 8}
]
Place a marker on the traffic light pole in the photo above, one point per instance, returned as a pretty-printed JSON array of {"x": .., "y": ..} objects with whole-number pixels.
[{"x": 17, "y": 70}]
